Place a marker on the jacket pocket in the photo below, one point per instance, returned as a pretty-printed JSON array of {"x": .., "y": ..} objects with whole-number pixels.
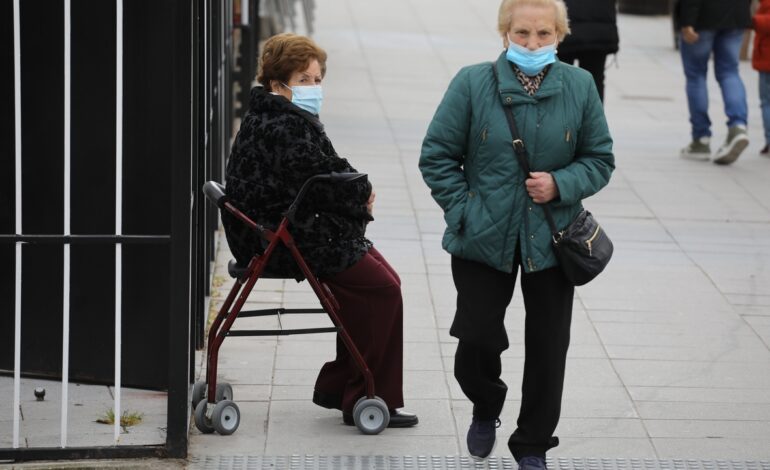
[
  {"x": 476, "y": 143},
  {"x": 470, "y": 211},
  {"x": 454, "y": 217},
  {"x": 570, "y": 138},
  {"x": 481, "y": 137}
]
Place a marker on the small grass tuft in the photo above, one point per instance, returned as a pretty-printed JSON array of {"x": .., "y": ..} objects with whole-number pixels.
[
  {"x": 127, "y": 419},
  {"x": 218, "y": 281}
]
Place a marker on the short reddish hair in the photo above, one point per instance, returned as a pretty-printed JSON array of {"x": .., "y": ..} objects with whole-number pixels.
[{"x": 284, "y": 54}]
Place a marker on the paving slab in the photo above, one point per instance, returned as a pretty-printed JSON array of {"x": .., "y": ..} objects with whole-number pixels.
[{"x": 669, "y": 358}]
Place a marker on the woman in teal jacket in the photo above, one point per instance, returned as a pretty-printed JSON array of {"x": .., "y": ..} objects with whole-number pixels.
[{"x": 495, "y": 222}]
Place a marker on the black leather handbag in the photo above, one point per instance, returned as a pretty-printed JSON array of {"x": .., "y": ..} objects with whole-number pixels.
[{"x": 583, "y": 248}]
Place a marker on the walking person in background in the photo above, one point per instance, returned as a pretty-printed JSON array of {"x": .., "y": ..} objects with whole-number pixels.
[
  {"x": 496, "y": 226},
  {"x": 593, "y": 36},
  {"x": 714, "y": 26},
  {"x": 760, "y": 60}
]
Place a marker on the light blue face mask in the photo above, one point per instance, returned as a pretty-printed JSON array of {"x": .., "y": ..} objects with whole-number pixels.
[
  {"x": 531, "y": 62},
  {"x": 308, "y": 98}
]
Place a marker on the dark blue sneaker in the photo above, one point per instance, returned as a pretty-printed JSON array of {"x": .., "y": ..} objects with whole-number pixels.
[
  {"x": 481, "y": 437},
  {"x": 532, "y": 462}
]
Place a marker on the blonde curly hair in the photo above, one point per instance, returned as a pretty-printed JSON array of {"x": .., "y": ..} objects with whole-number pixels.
[{"x": 505, "y": 16}]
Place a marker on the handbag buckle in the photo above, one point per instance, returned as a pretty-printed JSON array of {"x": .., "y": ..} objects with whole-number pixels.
[
  {"x": 518, "y": 145},
  {"x": 556, "y": 237}
]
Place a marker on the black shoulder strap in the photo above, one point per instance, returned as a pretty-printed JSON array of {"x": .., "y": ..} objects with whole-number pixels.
[{"x": 521, "y": 155}]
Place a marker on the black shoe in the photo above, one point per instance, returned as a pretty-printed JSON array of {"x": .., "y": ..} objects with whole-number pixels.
[
  {"x": 532, "y": 462},
  {"x": 402, "y": 419},
  {"x": 398, "y": 419},
  {"x": 481, "y": 437}
]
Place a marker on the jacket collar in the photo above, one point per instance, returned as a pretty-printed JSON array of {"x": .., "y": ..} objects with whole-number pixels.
[
  {"x": 512, "y": 92},
  {"x": 261, "y": 101}
]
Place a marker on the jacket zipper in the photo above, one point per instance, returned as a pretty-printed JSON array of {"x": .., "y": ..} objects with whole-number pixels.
[
  {"x": 526, "y": 235},
  {"x": 592, "y": 239}
]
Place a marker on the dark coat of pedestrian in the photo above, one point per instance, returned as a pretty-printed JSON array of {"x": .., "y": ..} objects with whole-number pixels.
[
  {"x": 713, "y": 14},
  {"x": 278, "y": 147},
  {"x": 593, "y": 36}
]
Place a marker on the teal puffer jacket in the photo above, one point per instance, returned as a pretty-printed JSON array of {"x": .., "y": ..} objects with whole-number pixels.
[{"x": 467, "y": 160}]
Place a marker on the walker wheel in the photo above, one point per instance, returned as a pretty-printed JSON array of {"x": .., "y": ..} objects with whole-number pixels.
[
  {"x": 198, "y": 393},
  {"x": 371, "y": 415},
  {"x": 203, "y": 422},
  {"x": 224, "y": 391},
  {"x": 226, "y": 417}
]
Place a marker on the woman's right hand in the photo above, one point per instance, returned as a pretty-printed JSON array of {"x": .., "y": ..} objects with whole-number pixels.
[{"x": 689, "y": 35}]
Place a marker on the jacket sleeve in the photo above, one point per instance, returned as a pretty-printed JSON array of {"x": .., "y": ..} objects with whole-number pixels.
[
  {"x": 301, "y": 157},
  {"x": 762, "y": 23},
  {"x": 594, "y": 161},
  {"x": 443, "y": 150},
  {"x": 688, "y": 12}
]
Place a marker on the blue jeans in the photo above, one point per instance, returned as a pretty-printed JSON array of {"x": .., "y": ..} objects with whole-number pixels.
[
  {"x": 726, "y": 45},
  {"x": 764, "y": 102}
]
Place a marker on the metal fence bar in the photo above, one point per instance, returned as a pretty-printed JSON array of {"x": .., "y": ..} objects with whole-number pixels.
[
  {"x": 67, "y": 230},
  {"x": 118, "y": 206},
  {"x": 17, "y": 302},
  {"x": 90, "y": 239}
]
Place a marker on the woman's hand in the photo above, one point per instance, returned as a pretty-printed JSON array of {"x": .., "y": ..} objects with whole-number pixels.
[
  {"x": 689, "y": 35},
  {"x": 541, "y": 187},
  {"x": 370, "y": 203}
]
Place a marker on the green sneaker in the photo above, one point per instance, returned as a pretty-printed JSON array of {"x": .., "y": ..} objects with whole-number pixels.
[
  {"x": 699, "y": 150},
  {"x": 736, "y": 142}
]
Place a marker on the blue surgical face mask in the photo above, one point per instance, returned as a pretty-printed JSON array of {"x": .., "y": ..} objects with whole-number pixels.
[
  {"x": 308, "y": 98},
  {"x": 531, "y": 62}
]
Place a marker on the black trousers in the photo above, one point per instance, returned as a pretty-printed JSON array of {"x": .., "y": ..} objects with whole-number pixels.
[
  {"x": 592, "y": 62},
  {"x": 483, "y": 294}
]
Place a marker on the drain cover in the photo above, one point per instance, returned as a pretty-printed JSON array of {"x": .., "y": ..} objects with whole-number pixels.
[{"x": 452, "y": 462}]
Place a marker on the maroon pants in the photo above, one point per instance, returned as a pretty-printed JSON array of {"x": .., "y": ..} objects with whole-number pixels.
[{"x": 371, "y": 311}]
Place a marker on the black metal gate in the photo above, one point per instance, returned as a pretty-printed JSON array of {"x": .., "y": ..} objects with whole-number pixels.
[{"x": 119, "y": 112}]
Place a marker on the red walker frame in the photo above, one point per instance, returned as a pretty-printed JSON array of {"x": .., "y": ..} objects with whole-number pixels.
[{"x": 370, "y": 413}]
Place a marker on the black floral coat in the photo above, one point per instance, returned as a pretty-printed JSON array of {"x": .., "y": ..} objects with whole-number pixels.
[{"x": 277, "y": 148}]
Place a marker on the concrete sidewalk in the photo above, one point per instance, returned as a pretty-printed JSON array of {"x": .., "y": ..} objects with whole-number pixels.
[{"x": 669, "y": 356}]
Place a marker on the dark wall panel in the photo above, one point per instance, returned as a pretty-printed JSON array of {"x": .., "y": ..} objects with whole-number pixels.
[
  {"x": 148, "y": 154},
  {"x": 42, "y": 98},
  {"x": 92, "y": 319},
  {"x": 7, "y": 185}
]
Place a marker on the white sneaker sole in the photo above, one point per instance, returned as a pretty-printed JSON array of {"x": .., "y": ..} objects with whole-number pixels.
[
  {"x": 484, "y": 459},
  {"x": 695, "y": 156},
  {"x": 729, "y": 154}
]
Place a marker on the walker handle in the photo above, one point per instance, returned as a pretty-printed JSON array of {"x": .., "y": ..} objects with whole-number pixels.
[
  {"x": 215, "y": 193},
  {"x": 332, "y": 177}
]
